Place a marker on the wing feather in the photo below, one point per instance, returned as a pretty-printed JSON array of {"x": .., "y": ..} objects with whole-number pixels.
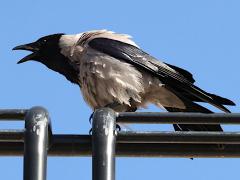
[{"x": 167, "y": 74}]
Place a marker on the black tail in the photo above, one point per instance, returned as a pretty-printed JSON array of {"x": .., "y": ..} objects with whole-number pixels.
[
  {"x": 216, "y": 98},
  {"x": 193, "y": 107},
  {"x": 222, "y": 100}
]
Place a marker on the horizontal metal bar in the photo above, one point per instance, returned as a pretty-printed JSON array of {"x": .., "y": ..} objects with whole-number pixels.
[
  {"x": 178, "y": 118},
  {"x": 133, "y": 150},
  {"x": 80, "y": 145},
  {"x": 140, "y": 137},
  {"x": 149, "y": 117},
  {"x": 12, "y": 114},
  {"x": 11, "y": 135},
  {"x": 179, "y": 137}
]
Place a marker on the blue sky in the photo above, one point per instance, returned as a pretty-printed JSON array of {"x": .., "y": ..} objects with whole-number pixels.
[{"x": 200, "y": 36}]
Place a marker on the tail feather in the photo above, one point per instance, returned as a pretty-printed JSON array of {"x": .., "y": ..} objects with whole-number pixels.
[
  {"x": 222, "y": 100},
  {"x": 193, "y": 107},
  {"x": 218, "y": 99}
]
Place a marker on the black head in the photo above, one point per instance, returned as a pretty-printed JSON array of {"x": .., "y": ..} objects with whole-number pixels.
[
  {"x": 42, "y": 49},
  {"x": 47, "y": 51}
]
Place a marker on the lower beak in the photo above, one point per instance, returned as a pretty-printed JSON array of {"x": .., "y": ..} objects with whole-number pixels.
[
  {"x": 32, "y": 56},
  {"x": 29, "y": 47}
]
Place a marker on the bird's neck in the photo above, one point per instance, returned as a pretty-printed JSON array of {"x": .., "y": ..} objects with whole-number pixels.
[{"x": 61, "y": 65}]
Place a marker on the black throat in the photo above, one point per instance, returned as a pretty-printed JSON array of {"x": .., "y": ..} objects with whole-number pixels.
[
  {"x": 61, "y": 64},
  {"x": 50, "y": 54}
]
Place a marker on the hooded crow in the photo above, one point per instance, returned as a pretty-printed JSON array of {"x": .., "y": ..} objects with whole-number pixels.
[{"x": 112, "y": 71}]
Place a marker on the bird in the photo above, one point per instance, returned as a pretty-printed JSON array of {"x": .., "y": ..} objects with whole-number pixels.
[{"x": 113, "y": 71}]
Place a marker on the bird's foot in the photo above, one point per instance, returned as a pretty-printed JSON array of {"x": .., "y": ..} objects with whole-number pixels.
[
  {"x": 118, "y": 127},
  {"x": 90, "y": 132},
  {"x": 90, "y": 118}
]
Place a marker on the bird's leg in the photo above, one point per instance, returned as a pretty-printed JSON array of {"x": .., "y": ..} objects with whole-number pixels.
[
  {"x": 117, "y": 107},
  {"x": 121, "y": 108},
  {"x": 113, "y": 106}
]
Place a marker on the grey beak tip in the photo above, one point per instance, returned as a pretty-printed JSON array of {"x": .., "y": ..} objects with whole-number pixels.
[
  {"x": 15, "y": 48},
  {"x": 21, "y": 47}
]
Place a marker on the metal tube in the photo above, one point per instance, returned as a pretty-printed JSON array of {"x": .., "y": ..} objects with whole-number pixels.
[
  {"x": 103, "y": 144},
  {"x": 15, "y": 135},
  {"x": 179, "y": 137},
  {"x": 141, "y": 144},
  {"x": 35, "y": 144},
  {"x": 83, "y": 149},
  {"x": 178, "y": 118},
  {"x": 12, "y": 114},
  {"x": 135, "y": 137}
]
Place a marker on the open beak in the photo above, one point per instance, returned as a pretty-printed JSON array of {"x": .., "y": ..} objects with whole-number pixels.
[{"x": 33, "y": 47}]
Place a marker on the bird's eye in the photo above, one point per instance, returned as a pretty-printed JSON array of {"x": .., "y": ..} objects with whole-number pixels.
[{"x": 43, "y": 42}]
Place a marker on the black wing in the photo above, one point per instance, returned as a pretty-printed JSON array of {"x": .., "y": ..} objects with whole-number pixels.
[
  {"x": 165, "y": 73},
  {"x": 185, "y": 73},
  {"x": 189, "y": 76}
]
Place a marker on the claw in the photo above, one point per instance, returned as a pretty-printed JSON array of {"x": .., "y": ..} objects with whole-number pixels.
[
  {"x": 90, "y": 118},
  {"x": 90, "y": 132},
  {"x": 118, "y": 127}
]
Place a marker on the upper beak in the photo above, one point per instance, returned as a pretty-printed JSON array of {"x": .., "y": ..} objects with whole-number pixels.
[{"x": 29, "y": 47}]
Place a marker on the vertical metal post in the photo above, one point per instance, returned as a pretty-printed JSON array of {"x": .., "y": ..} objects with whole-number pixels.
[
  {"x": 36, "y": 144},
  {"x": 103, "y": 144}
]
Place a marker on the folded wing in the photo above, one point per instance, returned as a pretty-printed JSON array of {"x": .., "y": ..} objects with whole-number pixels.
[{"x": 176, "y": 78}]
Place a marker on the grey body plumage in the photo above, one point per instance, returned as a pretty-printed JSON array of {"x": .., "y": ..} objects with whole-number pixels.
[
  {"x": 113, "y": 71},
  {"x": 105, "y": 79}
]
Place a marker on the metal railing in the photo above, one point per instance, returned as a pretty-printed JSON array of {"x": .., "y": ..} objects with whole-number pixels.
[
  {"x": 35, "y": 137},
  {"x": 36, "y": 141}
]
